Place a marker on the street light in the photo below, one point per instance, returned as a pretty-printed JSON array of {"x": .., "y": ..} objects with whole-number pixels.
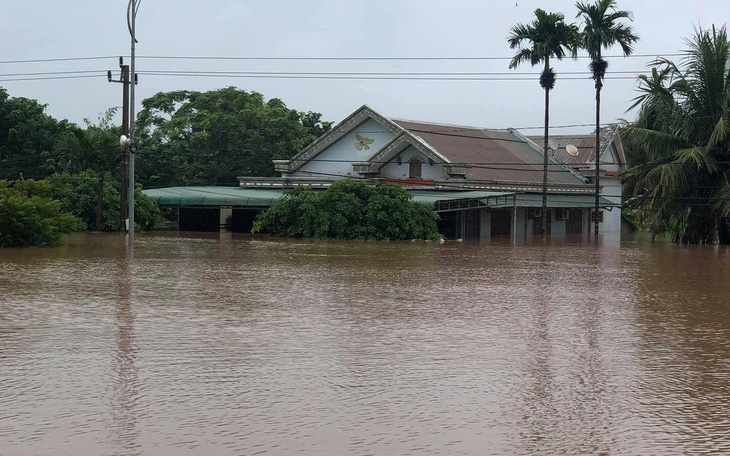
[{"x": 132, "y": 9}]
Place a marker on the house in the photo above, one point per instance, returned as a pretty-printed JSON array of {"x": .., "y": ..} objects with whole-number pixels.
[
  {"x": 482, "y": 182},
  {"x": 612, "y": 161}
]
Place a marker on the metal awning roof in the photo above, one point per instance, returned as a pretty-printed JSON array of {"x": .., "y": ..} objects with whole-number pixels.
[
  {"x": 215, "y": 196},
  {"x": 265, "y": 197}
]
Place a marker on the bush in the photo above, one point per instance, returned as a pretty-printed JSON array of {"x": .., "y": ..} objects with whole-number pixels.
[
  {"x": 28, "y": 219},
  {"x": 349, "y": 210}
]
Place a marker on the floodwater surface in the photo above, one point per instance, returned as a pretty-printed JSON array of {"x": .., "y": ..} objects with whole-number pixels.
[{"x": 243, "y": 346}]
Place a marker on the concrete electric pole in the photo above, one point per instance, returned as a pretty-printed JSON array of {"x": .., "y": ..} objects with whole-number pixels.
[
  {"x": 124, "y": 80},
  {"x": 132, "y": 9}
]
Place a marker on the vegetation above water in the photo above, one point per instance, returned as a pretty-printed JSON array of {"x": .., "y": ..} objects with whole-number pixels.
[
  {"x": 682, "y": 135},
  {"x": 210, "y": 138},
  {"x": 37, "y": 213},
  {"x": 349, "y": 210},
  {"x": 27, "y": 218}
]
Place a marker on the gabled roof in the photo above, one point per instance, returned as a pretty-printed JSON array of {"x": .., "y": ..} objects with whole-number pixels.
[
  {"x": 490, "y": 156},
  {"x": 338, "y": 131},
  {"x": 586, "y": 145},
  {"x": 493, "y": 155}
]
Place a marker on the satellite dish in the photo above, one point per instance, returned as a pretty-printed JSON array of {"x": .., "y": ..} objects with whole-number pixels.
[
  {"x": 553, "y": 144},
  {"x": 572, "y": 150}
]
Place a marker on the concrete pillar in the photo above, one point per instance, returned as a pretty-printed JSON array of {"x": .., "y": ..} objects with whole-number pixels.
[{"x": 485, "y": 227}]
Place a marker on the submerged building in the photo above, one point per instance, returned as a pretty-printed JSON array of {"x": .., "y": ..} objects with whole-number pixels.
[{"x": 482, "y": 182}]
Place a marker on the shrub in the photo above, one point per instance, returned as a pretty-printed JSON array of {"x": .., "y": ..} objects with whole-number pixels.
[
  {"x": 349, "y": 210},
  {"x": 30, "y": 220}
]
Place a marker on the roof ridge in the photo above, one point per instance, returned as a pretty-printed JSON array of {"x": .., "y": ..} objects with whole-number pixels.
[{"x": 441, "y": 124}]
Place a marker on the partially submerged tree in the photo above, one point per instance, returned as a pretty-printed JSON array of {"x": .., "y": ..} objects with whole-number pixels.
[
  {"x": 548, "y": 36},
  {"x": 95, "y": 148},
  {"x": 30, "y": 218},
  {"x": 602, "y": 29},
  {"x": 683, "y": 130},
  {"x": 349, "y": 210}
]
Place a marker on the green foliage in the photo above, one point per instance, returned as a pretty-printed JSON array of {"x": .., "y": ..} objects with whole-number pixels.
[
  {"x": 77, "y": 194},
  {"x": 682, "y": 135},
  {"x": 602, "y": 29},
  {"x": 547, "y": 36},
  {"x": 349, "y": 210},
  {"x": 27, "y": 133},
  {"x": 210, "y": 138},
  {"x": 28, "y": 218}
]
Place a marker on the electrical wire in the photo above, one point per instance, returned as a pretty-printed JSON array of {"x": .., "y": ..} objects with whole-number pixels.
[{"x": 317, "y": 58}]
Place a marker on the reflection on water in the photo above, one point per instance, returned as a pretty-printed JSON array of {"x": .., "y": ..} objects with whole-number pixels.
[{"x": 210, "y": 345}]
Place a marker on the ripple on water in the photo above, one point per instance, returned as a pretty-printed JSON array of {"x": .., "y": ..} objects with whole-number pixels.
[{"x": 251, "y": 346}]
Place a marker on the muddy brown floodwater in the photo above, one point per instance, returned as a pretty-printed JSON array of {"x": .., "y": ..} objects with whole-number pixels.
[{"x": 241, "y": 346}]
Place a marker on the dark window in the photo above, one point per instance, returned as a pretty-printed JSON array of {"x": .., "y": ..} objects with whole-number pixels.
[{"x": 414, "y": 169}]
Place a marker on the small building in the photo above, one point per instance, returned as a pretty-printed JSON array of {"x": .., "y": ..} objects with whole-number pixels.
[{"x": 482, "y": 182}]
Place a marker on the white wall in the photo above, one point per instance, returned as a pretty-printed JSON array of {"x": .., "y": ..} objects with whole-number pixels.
[
  {"x": 395, "y": 171},
  {"x": 343, "y": 152}
]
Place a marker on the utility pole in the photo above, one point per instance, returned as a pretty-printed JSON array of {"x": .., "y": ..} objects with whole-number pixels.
[
  {"x": 124, "y": 80},
  {"x": 598, "y": 158},
  {"x": 132, "y": 8}
]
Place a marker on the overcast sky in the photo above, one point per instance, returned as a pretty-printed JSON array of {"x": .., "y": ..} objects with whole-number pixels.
[{"x": 37, "y": 29}]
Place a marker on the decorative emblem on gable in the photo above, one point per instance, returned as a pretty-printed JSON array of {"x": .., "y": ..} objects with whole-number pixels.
[{"x": 363, "y": 143}]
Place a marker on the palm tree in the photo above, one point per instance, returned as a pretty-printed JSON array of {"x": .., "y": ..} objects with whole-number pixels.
[
  {"x": 547, "y": 36},
  {"x": 683, "y": 131},
  {"x": 602, "y": 28}
]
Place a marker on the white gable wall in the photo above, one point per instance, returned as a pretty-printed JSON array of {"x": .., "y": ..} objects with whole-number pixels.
[
  {"x": 395, "y": 171},
  {"x": 337, "y": 158}
]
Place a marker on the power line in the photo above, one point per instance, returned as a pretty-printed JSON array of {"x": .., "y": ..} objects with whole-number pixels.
[
  {"x": 378, "y": 58},
  {"x": 51, "y": 78},
  {"x": 62, "y": 59},
  {"x": 369, "y": 78},
  {"x": 315, "y": 58}
]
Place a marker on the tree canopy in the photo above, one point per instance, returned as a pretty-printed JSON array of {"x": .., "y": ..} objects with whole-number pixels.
[
  {"x": 27, "y": 133},
  {"x": 349, "y": 210},
  {"x": 683, "y": 131},
  {"x": 209, "y": 138}
]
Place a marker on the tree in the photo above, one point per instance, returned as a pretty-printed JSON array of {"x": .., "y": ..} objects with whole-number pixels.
[
  {"x": 601, "y": 30},
  {"x": 349, "y": 210},
  {"x": 26, "y": 134},
  {"x": 683, "y": 130},
  {"x": 29, "y": 218},
  {"x": 78, "y": 194},
  {"x": 94, "y": 148},
  {"x": 210, "y": 138},
  {"x": 547, "y": 36}
]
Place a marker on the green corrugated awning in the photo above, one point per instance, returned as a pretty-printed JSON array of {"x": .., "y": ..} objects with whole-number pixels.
[
  {"x": 215, "y": 196},
  {"x": 563, "y": 200},
  {"x": 265, "y": 197}
]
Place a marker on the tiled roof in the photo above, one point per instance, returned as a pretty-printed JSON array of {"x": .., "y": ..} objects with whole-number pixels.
[
  {"x": 494, "y": 155},
  {"x": 586, "y": 145}
]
